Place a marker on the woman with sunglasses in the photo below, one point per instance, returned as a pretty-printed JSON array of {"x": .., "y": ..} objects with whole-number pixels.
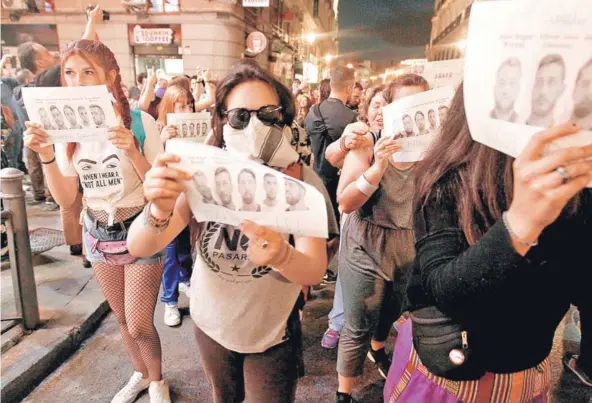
[
  {"x": 130, "y": 284},
  {"x": 246, "y": 322}
]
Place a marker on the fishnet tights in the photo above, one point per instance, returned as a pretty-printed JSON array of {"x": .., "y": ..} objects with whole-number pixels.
[{"x": 132, "y": 292}]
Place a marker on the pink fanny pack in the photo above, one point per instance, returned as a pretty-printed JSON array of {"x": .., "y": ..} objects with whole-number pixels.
[{"x": 114, "y": 252}]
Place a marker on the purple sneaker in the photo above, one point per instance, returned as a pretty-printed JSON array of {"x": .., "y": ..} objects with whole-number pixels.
[{"x": 330, "y": 339}]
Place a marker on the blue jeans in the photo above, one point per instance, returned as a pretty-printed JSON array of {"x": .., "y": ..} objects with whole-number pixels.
[
  {"x": 337, "y": 315},
  {"x": 177, "y": 266}
]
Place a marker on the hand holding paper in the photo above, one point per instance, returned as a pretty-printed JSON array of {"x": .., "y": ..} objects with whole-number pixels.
[
  {"x": 162, "y": 185},
  {"x": 266, "y": 246},
  {"x": 36, "y": 139},
  {"x": 123, "y": 139},
  {"x": 384, "y": 150},
  {"x": 544, "y": 183}
]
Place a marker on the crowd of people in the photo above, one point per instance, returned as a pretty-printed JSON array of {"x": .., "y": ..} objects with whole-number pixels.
[{"x": 442, "y": 253}]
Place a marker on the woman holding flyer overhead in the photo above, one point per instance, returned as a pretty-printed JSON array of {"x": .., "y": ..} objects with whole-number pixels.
[
  {"x": 495, "y": 236},
  {"x": 376, "y": 250},
  {"x": 178, "y": 262},
  {"x": 112, "y": 173},
  {"x": 243, "y": 297}
]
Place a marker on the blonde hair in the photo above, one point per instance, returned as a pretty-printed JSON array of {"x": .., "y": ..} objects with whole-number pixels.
[{"x": 173, "y": 94}]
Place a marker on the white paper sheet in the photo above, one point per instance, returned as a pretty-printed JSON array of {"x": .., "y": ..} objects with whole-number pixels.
[
  {"x": 528, "y": 66},
  {"x": 71, "y": 114},
  {"x": 222, "y": 188},
  {"x": 444, "y": 73},
  {"x": 193, "y": 126},
  {"x": 415, "y": 121}
]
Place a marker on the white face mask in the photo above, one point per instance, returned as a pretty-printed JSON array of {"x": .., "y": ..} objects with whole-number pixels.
[{"x": 269, "y": 145}]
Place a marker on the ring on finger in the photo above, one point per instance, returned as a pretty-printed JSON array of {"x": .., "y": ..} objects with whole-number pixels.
[{"x": 563, "y": 172}]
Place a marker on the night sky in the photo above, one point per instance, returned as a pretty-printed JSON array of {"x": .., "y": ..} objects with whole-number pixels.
[{"x": 384, "y": 30}]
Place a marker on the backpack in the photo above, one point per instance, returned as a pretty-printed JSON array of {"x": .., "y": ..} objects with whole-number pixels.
[{"x": 137, "y": 128}]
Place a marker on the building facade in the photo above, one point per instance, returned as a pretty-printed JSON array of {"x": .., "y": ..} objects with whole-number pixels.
[
  {"x": 179, "y": 35},
  {"x": 449, "y": 29}
]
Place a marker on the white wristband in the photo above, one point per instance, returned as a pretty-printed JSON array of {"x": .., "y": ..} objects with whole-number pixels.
[{"x": 365, "y": 187}]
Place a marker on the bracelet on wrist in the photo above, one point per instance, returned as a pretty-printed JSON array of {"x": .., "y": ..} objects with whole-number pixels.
[
  {"x": 154, "y": 224},
  {"x": 48, "y": 162},
  {"x": 283, "y": 258},
  {"x": 513, "y": 235},
  {"x": 365, "y": 187}
]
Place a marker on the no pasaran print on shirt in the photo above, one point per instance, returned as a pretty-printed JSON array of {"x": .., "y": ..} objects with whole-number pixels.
[{"x": 99, "y": 168}]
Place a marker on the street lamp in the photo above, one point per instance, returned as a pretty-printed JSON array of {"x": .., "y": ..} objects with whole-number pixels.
[
  {"x": 328, "y": 58},
  {"x": 310, "y": 37},
  {"x": 373, "y": 78},
  {"x": 350, "y": 66}
]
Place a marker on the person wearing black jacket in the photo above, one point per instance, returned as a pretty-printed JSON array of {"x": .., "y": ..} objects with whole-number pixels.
[{"x": 502, "y": 250}]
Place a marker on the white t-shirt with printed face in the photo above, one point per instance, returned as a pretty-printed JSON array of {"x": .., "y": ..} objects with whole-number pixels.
[
  {"x": 109, "y": 179},
  {"x": 242, "y": 306}
]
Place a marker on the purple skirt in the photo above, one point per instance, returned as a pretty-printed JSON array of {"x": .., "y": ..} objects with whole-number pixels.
[{"x": 409, "y": 381}]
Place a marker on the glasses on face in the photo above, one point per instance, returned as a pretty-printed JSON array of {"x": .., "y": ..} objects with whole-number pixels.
[{"x": 239, "y": 118}]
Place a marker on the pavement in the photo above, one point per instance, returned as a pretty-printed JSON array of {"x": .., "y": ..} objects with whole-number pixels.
[
  {"x": 102, "y": 367},
  {"x": 71, "y": 306}
]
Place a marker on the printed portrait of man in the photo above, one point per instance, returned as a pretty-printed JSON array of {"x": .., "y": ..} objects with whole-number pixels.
[
  {"x": 506, "y": 90},
  {"x": 98, "y": 116},
  {"x": 192, "y": 129},
  {"x": 433, "y": 122},
  {"x": 45, "y": 120},
  {"x": 420, "y": 123},
  {"x": 83, "y": 113},
  {"x": 201, "y": 184},
  {"x": 582, "y": 97},
  {"x": 442, "y": 112},
  {"x": 548, "y": 87},
  {"x": 204, "y": 129},
  {"x": 184, "y": 130},
  {"x": 71, "y": 117},
  {"x": 58, "y": 119},
  {"x": 295, "y": 195},
  {"x": 224, "y": 187},
  {"x": 247, "y": 186},
  {"x": 270, "y": 185},
  {"x": 407, "y": 127}
]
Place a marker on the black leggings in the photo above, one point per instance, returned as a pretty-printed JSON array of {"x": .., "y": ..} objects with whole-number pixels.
[{"x": 267, "y": 377}]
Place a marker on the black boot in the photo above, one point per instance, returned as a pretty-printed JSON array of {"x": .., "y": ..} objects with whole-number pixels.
[{"x": 344, "y": 398}]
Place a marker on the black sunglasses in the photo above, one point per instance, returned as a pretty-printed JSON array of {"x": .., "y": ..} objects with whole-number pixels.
[{"x": 239, "y": 118}]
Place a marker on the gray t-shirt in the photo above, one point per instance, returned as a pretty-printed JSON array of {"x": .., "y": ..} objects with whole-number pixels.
[{"x": 243, "y": 307}]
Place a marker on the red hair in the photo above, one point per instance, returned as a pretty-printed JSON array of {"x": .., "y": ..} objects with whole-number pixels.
[{"x": 100, "y": 58}]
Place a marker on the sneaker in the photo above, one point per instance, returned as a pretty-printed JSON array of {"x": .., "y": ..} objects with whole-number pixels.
[
  {"x": 570, "y": 362},
  {"x": 329, "y": 278},
  {"x": 159, "y": 392},
  {"x": 330, "y": 339},
  {"x": 185, "y": 288},
  {"x": 85, "y": 263},
  {"x": 381, "y": 360},
  {"x": 344, "y": 398},
  {"x": 76, "y": 250},
  {"x": 50, "y": 206},
  {"x": 134, "y": 387},
  {"x": 172, "y": 316}
]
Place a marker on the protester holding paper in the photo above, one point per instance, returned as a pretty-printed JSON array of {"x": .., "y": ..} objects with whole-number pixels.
[
  {"x": 494, "y": 235},
  {"x": 250, "y": 350},
  {"x": 178, "y": 261},
  {"x": 377, "y": 247},
  {"x": 111, "y": 173}
]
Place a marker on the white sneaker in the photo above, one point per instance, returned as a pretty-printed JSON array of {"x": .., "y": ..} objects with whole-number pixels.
[
  {"x": 130, "y": 392},
  {"x": 172, "y": 316},
  {"x": 159, "y": 392},
  {"x": 185, "y": 288}
]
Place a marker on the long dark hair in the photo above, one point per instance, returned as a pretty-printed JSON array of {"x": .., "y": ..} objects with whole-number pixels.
[
  {"x": 479, "y": 178},
  {"x": 244, "y": 71}
]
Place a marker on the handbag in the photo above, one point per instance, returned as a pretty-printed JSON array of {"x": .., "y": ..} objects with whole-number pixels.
[
  {"x": 444, "y": 346},
  {"x": 111, "y": 242}
]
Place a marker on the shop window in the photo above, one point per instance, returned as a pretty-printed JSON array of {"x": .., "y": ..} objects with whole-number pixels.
[{"x": 165, "y": 6}]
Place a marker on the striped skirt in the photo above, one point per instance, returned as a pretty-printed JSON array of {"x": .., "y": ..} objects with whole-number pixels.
[{"x": 409, "y": 381}]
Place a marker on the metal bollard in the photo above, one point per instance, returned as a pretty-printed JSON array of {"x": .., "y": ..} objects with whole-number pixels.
[{"x": 23, "y": 276}]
